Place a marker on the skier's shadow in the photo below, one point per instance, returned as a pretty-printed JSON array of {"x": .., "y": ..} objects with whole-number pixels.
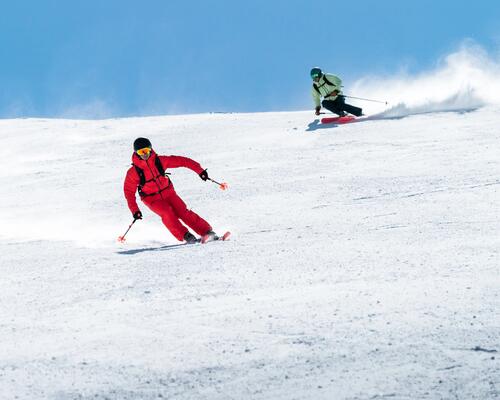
[
  {"x": 315, "y": 125},
  {"x": 161, "y": 248}
]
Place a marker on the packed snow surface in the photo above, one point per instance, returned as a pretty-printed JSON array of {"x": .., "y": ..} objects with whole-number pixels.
[{"x": 363, "y": 263}]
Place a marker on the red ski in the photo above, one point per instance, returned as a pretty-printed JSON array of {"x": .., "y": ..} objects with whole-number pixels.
[{"x": 338, "y": 120}]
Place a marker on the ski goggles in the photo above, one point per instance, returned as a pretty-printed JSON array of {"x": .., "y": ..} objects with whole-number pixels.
[{"x": 144, "y": 151}]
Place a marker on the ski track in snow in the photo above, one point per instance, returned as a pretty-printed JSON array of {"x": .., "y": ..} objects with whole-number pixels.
[{"x": 363, "y": 264}]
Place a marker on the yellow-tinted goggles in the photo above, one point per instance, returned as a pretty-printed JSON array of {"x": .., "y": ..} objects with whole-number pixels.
[{"x": 144, "y": 151}]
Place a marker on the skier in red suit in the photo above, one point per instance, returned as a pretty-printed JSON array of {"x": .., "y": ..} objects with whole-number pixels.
[{"x": 147, "y": 177}]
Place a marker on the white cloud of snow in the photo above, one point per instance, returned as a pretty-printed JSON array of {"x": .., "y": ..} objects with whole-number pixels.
[
  {"x": 463, "y": 80},
  {"x": 92, "y": 109}
]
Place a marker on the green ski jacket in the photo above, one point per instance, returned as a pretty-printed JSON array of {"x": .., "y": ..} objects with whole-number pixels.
[{"x": 325, "y": 89}]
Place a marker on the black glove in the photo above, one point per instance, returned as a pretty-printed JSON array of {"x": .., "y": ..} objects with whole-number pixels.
[
  {"x": 317, "y": 110},
  {"x": 204, "y": 175},
  {"x": 137, "y": 215}
]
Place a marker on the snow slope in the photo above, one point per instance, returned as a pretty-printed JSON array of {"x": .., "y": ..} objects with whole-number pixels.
[{"x": 364, "y": 261}]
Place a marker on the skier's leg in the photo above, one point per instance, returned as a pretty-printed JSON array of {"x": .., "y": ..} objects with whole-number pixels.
[
  {"x": 333, "y": 106},
  {"x": 351, "y": 109},
  {"x": 190, "y": 218},
  {"x": 169, "y": 218},
  {"x": 338, "y": 106}
]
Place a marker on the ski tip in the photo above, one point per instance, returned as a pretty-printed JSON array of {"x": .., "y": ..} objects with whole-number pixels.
[{"x": 226, "y": 236}]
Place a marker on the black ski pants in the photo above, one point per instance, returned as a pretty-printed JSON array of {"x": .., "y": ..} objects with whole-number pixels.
[{"x": 338, "y": 105}]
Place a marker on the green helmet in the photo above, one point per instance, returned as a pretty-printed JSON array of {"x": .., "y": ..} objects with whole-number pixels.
[{"x": 316, "y": 73}]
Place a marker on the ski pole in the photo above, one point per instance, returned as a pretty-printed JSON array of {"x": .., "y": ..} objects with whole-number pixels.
[
  {"x": 121, "y": 239},
  {"x": 361, "y": 98},
  {"x": 222, "y": 186}
]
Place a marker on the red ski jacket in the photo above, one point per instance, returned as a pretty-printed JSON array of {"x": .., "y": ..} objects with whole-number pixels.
[{"x": 155, "y": 183}]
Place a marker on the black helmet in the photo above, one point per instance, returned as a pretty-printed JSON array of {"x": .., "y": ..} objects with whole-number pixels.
[
  {"x": 316, "y": 73},
  {"x": 140, "y": 143}
]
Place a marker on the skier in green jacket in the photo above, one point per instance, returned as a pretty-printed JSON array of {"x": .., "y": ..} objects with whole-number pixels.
[{"x": 329, "y": 87}]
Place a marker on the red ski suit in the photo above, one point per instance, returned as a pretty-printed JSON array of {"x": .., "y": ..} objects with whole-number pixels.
[{"x": 159, "y": 195}]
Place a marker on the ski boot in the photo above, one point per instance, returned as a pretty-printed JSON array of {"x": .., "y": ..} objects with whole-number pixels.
[
  {"x": 209, "y": 236},
  {"x": 190, "y": 238}
]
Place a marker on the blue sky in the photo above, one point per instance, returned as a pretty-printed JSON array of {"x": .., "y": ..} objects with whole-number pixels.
[{"x": 109, "y": 58}]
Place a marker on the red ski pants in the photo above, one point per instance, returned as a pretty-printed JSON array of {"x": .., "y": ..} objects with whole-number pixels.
[{"x": 172, "y": 210}]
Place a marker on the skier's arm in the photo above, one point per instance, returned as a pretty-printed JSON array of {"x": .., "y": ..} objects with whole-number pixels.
[
  {"x": 336, "y": 84},
  {"x": 129, "y": 190},
  {"x": 316, "y": 98},
  {"x": 179, "y": 161}
]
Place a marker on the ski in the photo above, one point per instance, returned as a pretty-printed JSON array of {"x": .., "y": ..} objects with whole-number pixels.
[{"x": 338, "y": 120}]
